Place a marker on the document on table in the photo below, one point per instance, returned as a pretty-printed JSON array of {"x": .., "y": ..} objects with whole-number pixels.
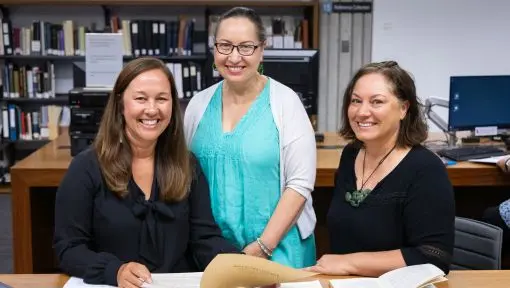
[
  {"x": 159, "y": 280},
  {"x": 226, "y": 271},
  {"x": 175, "y": 280},
  {"x": 75, "y": 282},
  {"x": 489, "y": 160},
  {"x": 237, "y": 270}
]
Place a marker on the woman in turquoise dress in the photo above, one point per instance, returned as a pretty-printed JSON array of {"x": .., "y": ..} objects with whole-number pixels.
[{"x": 256, "y": 146}]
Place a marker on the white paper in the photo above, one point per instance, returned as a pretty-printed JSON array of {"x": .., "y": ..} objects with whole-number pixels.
[
  {"x": 159, "y": 280},
  {"x": 74, "y": 282},
  {"x": 489, "y": 160},
  {"x": 175, "y": 280},
  {"x": 356, "y": 283},
  {"x": 103, "y": 58},
  {"x": 307, "y": 284}
]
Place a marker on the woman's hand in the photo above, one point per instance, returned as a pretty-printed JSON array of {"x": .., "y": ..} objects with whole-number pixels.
[
  {"x": 502, "y": 164},
  {"x": 133, "y": 275},
  {"x": 254, "y": 249},
  {"x": 331, "y": 265}
]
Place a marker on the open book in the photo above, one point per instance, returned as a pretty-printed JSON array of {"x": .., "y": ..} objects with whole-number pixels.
[{"x": 415, "y": 276}]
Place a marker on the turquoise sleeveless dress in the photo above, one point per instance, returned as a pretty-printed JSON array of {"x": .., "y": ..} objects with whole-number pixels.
[{"x": 243, "y": 171}]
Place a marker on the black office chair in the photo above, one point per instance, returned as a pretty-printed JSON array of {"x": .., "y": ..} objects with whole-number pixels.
[{"x": 477, "y": 245}]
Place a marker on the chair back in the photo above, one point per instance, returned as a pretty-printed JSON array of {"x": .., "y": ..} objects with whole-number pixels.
[{"x": 477, "y": 245}]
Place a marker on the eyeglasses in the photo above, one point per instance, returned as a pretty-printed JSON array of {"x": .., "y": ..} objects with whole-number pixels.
[{"x": 242, "y": 49}]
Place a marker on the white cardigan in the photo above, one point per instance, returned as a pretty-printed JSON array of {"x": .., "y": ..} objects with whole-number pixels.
[{"x": 298, "y": 156}]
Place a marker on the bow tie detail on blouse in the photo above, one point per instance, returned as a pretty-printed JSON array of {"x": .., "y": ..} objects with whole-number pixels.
[
  {"x": 151, "y": 239},
  {"x": 142, "y": 208}
]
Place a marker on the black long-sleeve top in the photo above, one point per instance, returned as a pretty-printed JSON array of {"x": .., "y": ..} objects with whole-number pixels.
[
  {"x": 96, "y": 231},
  {"x": 411, "y": 209}
]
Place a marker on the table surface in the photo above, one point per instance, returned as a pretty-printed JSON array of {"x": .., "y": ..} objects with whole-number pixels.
[
  {"x": 456, "y": 279},
  {"x": 460, "y": 174},
  {"x": 56, "y": 156}
]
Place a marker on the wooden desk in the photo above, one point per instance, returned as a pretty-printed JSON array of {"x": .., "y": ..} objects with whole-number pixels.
[
  {"x": 46, "y": 167},
  {"x": 456, "y": 279},
  {"x": 43, "y": 168},
  {"x": 34, "y": 280},
  {"x": 460, "y": 174}
]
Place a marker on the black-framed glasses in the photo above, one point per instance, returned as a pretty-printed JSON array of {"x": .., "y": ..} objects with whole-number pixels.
[{"x": 242, "y": 49}]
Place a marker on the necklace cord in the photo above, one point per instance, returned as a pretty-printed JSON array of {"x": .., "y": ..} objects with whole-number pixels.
[
  {"x": 357, "y": 196},
  {"x": 378, "y": 164}
]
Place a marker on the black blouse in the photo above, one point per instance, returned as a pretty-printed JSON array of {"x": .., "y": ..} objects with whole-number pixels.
[
  {"x": 411, "y": 209},
  {"x": 96, "y": 231}
]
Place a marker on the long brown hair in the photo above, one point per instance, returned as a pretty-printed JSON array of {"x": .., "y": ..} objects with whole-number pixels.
[
  {"x": 413, "y": 128},
  {"x": 172, "y": 159}
]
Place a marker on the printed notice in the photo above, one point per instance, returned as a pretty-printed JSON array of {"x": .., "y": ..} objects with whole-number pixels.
[{"x": 103, "y": 59}]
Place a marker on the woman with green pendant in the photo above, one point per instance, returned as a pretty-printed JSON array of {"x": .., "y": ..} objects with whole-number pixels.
[
  {"x": 393, "y": 203},
  {"x": 256, "y": 145}
]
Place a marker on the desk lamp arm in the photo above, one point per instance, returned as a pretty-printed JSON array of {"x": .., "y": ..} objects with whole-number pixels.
[{"x": 436, "y": 119}]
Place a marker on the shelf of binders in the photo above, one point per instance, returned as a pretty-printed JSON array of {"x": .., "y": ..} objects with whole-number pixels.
[{"x": 175, "y": 58}]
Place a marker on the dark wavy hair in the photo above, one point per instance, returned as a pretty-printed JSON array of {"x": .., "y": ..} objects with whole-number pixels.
[
  {"x": 172, "y": 159},
  {"x": 413, "y": 128}
]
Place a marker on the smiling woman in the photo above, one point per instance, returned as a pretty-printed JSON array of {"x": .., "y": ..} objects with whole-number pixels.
[
  {"x": 257, "y": 146},
  {"x": 147, "y": 107},
  {"x": 136, "y": 202},
  {"x": 393, "y": 203},
  {"x": 140, "y": 112}
]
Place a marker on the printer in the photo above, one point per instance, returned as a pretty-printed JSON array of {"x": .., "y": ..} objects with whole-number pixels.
[{"x": 87, "y": 107}]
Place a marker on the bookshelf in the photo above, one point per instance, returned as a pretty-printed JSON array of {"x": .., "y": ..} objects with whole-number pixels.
[
  {"x": 112, "y": 9},
  {"x": 312, "y": 7},
  {"x": 174, "y": 58}
]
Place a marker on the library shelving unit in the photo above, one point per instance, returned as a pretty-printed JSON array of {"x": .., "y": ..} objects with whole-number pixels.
[{"x": 309, "y": 9}]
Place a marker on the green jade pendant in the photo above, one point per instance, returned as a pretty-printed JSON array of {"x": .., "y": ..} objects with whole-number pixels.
[{"x": 356, "y": 197}]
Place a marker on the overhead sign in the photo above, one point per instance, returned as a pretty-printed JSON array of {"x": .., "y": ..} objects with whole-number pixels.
[{"x": 347, "y": 7}]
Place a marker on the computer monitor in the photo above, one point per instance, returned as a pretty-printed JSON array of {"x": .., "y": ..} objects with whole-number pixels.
[
  {"x": 298, "y": 69},
  {"x": 479, "y": 101},
  {"x": 295, "y": 68}
]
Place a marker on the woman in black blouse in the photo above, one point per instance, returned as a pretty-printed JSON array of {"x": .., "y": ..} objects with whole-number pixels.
[
  {"x": 136, "y": 201},
  {"x": 393, "y": 203}
]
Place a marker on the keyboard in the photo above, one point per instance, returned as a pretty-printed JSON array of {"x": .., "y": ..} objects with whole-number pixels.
[{"x": 471, "y": 152}]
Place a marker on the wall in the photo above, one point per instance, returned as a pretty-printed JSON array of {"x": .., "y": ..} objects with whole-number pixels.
[
  {"x": 436, "y": 39},
  {"x": 345, "y": 45}
]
